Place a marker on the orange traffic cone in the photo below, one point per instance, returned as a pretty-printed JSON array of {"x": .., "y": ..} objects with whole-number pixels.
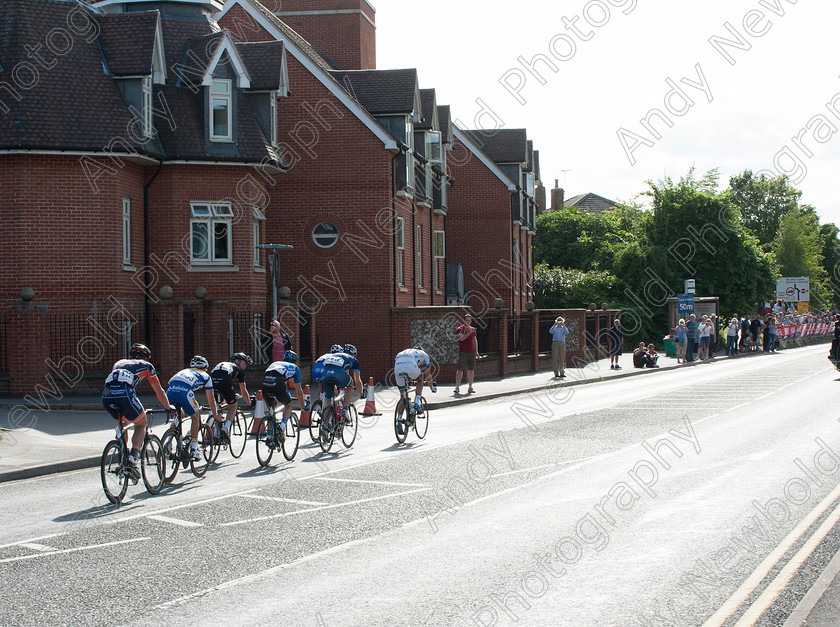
[
  {"x": 259, "y": 414},
  {"x": 304, "y": 414},
  {"x": 370, "y": 401}
]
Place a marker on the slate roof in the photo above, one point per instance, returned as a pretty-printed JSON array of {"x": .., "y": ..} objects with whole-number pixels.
[
  {"x": 444, "y": 117},
  {"x": 128, "y": 42},
  {"x": 502, "y": 145},
  {"x": 428, "y": 103},
  {"x": 264, "y": 61},
  {"x": 591, "y": 203},
  {"x": 381, "y": 91}
]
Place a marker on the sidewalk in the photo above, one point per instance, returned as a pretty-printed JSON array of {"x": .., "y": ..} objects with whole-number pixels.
[{"x": 73, "y": 432}]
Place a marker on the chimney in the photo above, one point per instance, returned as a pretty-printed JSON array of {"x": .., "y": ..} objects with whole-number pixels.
[
  {"x": 341, "y": 31},
  {"x": 558, "y": 196}
]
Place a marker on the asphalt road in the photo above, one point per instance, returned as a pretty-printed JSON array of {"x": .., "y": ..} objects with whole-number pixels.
[{"x": 673, "y": 499}]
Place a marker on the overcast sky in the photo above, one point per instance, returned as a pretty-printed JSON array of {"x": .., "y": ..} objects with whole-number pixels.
[{"x": 763, "y": 107}]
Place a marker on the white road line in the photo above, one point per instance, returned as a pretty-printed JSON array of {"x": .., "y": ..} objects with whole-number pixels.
[
  {"x": 521, "y": 470},
  {"x": 752, "y": 582},
  {"x": 386, "y": 483},
  {"x": 182, "y": 506},
  {"x": 175, "y": 521},
  {"x": 783, "y": 578},
  {"x": 37, "y": 547},
  {"x": 52, "y": 535},
  {"x": 280, "y": 499},
  {"x": 316, "y": 509},
  {"x": 814, "y": 594},
  {"x": 80, "y": 548}
]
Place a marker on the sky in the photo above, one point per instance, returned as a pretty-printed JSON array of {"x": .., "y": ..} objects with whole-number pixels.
[{"x": 728, "y": 84}]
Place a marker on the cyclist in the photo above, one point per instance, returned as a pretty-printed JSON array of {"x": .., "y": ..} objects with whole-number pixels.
[
  {"x": 120, "y": 392},
  {"x": 340, "y": 371},
  {"x": 223, "y": 375},
  {"x": 279, "y": 378},
  {"x": 413, "y": 364},
  {"x": 181, "y": 391},
  {"x": 318, "y": 366}
]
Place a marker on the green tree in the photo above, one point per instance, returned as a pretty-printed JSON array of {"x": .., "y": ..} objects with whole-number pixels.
[
  {"x": 798, "y": 248},
  {"x": 762, "y": 202},
  {"x": 831, "y": 260},
  {"x": 564, "y": 288}
]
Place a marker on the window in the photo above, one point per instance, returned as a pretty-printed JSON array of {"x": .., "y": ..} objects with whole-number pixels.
[
  {"x": 258, "y": 219},
  {"x": 272, "y": 112},
  {"x": 439, "y": 252},
  {"x": 515, "y": 258},
  {"x": 126, "y": 223},
  {"x": 221, "y": 110},
  {"x": 433, "y": 146},
  {"x": 529, "y": 184},
  {"x": 419, "y": 249},
  {"x": 147, "y": 106},
  {"x": 400, "y": 249},
  {"x": 325, "y": 235},
  {"x": 210, "y": 227},
  {"x": 409, "y": 155}
]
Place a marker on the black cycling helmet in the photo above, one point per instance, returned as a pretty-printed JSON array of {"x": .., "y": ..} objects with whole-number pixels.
[
  {"x": 336, "y": 348},
  {"x": 350, "y": 349},
  {"x": 418, "y": 348},
  {"x": 242, "y": 356},
  {"x": 140, "y": 351},
  {"x": 291, "y": 357},
  {"x": 199, "y": 363}
]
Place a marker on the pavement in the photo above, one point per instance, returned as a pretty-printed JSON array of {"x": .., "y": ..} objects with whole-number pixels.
[{"x": 72, "y": 432}]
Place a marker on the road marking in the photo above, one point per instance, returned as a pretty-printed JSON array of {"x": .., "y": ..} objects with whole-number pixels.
[
  {"x": 814, "y": 594},
  {"x": 37, "y": 547},
  {"x": 316, "y": 509},
  {"x": 177, "y": 507},
  {"x": 386, "y": 483},
  {"x": 80, "y": 548},
  {"x": 282, "y": 500},
  {"x": 175, "y": 521},
  {"x": 521, "y": 470},
  {"x": 52, "y": 535},
  {"x": 752, "y": 582}
]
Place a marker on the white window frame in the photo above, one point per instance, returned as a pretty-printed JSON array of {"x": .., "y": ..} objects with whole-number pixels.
[
  {"x": 225, "y": 97},
  {"x": 400, "y": 235},
  {"x": 409, "y": 155},
  {"x": 332, "y": 243},
  {"x": 212, "y": 215},
  {"x": 146, "y": 90},
  {"x": 272, "y": 110},
  {"x": 126, "y": 230},
  {"x": 418, "y": 247},
  {"x": 438, "y": 252},
  {"x": 429, "y": 157},
  {"x": 256, "y": 228}
]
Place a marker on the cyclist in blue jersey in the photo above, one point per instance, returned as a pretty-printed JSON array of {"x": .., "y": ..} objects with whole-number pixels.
[
  {"x": 120, "y": 397},
  {"x": 181, "y": 391},
  {"x": 224, "y": 375},
  {"x": 318, "y": 366},
  {"x": 279, "y": 378},
  {"x": 341, "y": 370}
]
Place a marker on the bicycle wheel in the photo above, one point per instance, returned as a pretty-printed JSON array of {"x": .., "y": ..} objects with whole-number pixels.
[
  {"x": 114, "y": 481},
  {"x": 238, "y": 435},
  {"x": 421, "y": 423},
  {"x": 206, "y": 445},
  {"x": 351, "y": 427},
  {"x": 326, "y": 435},
  {"x": 151, "y": 464},
  {"x": 291, "y": 437},
  {"x": 265, "y": 441},
  {"x": 401, "y": 416},
  {"x": 171, "y": 449},
  {"x": 214, "y": 429},
  {"x": 315, "y": 421}
]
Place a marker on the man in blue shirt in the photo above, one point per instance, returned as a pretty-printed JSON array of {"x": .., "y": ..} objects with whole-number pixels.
[
  {"x": 690, "y": 337},
  {"x": 558, "y": 347}
]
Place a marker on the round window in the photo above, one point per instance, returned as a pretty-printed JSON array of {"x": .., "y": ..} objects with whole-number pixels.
[{"x": 325, "y": 235}]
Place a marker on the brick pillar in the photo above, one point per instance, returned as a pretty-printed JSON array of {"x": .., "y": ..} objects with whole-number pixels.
[
  {"x": 28, "y": 348},
  {"x": 170, "y": 340}
]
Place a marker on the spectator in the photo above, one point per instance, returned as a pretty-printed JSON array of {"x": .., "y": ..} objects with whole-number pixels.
[
  {"x": 745, "y": 333},
  {"x": 681, "y": 341},
  {"x": 558, "y": 347},
  {"x": 467, "y": 337},
  {"x": 691, "y": 332},
  {"x": 755, "y": 324},
  {"x": 712, "y": 336},
  {"x": 653, "y": 355},
  {"x": 771, "y": 333},
  {"x": 704, "y": 331},
  {"x": 280, "y": 341},
  {"x": 641, "y": 359},
  {"x": 732, "y": 336},
  {"x": 616, "y": 343}
]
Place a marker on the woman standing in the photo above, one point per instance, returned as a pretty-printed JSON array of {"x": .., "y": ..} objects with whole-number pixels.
[
  {"x": 732, "y": 336},
  {"x": 681, "y": 338}
]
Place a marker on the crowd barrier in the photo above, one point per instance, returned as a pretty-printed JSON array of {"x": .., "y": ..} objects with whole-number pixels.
[{"x": 804, "y": 330}]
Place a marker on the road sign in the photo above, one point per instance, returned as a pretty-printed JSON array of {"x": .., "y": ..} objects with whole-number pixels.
[
  {"x": 685, "y": 304},
  {"x": 793, "y": 289},
  {"x": 689, "y": 286}
]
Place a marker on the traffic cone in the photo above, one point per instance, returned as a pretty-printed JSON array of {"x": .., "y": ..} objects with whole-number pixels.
[
  {"x": 370, "y": 400},
  {"x": 304, "y": 414},
  {"x": 259, "y": 414}
]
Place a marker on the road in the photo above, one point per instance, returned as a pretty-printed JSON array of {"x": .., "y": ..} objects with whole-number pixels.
[{"x": 681, "y": 498}]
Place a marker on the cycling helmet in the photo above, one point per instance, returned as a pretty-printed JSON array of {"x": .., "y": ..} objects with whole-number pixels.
[
  {"x": 242, "y": 356},
  {"x": 350, "y": 349},
  {"x": 200, "y": 363},
  {"x": 336, "y": 348},
  {"x": 418, "y": 348},
  {"x": 291, "y": 357},
  {"x": 140, "y": 351}
]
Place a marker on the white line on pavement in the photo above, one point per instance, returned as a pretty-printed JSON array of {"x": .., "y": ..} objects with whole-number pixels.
[
  {"x": 182, "y": 506},
  {"x": 37, "y": 547},
  {"x": 280, "y": 499},
  {"x": 80, "y": 548},
  {"x": 175, "y": 521},
  {"x": 521, "y": 470},
  {"x": 814, "y": 594},
  {"x": 317, "y": 509},
  {"x": 387, "y": 483},
  {"x": 52, "y": 535}
]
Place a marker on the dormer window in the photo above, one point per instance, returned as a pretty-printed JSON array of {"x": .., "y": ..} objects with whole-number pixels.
[
  {"x": 272, "y": 108},
  {"x": 409, "y": 160},
  {"x": 146, "y": 89},
  {"x": 529, "y": 184},
  {"x": 221, "y": 110},
  {"x": 433, "y": 149}
]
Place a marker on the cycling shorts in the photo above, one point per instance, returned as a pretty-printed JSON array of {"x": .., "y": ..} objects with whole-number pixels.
[
  {"x": 184, "y": 398},
  {"x": 128, "y": 405},
  {"x": 274, "y": 388},
  {"x": 335, "y": 376},
  {"x": 223, "y": 387},
  {"x": 406, "y": 369}
]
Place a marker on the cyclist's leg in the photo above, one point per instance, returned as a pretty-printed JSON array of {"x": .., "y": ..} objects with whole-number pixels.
[{"x": 134, "y": 413}]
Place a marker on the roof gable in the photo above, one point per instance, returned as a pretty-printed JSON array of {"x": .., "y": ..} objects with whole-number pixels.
[
  {"x": 470, "y": 145},
  {"x": 266, "y": 63},
  {"x": 591, "y": 203},
  {"x": 129, "y": 42},
  {"x": 503, "y": 145}
]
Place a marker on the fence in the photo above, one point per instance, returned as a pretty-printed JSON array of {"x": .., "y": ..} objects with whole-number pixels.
[
  {"x": 95, "y": 339},
  {"x": 247, "y": 334}
]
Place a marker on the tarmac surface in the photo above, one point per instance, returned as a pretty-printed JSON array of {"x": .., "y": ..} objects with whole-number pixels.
[{"x": 72, "y": 433}]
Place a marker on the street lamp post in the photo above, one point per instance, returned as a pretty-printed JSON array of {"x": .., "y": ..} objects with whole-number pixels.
[{"x": 275, "y": 261}]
